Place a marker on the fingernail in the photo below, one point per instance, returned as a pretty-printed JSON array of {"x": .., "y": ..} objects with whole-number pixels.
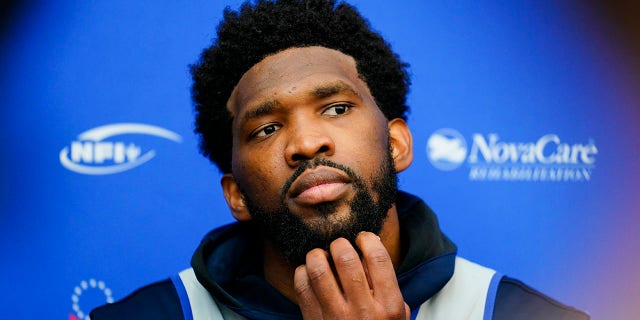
[{"x": 361, "y": 232}]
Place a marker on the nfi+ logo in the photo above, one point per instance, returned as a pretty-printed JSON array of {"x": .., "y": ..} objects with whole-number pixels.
[{"x": 91, "y": 153}]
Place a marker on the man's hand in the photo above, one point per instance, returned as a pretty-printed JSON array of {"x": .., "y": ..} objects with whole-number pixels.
[{"x": 356, "y": 289}]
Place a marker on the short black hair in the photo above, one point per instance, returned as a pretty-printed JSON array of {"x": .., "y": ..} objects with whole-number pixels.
[{"x": 264, "y": 28}]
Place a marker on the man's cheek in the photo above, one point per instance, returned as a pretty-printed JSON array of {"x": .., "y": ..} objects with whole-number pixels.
[{"x": 258, "y": 188}]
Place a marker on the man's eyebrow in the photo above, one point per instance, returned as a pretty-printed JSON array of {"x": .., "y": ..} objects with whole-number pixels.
[
  {"x": 327, "y": 90},
  {"x": 319, "y": 92},
  {"x": 260, "y": 110}
]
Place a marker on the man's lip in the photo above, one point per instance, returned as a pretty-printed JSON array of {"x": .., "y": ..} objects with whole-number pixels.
[{"x": 316, "y": 177}]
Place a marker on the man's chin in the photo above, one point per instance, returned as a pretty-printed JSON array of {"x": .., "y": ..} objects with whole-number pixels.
[{"x": 326, "y": 217}]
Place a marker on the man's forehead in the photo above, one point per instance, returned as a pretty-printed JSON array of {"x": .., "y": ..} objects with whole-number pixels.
[
  {"x": 294, "y": 65},
  {"x": 305, "y": 56}
]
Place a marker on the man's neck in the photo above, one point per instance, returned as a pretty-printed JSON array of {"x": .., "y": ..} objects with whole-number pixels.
[{"x": 279, "y": 273}]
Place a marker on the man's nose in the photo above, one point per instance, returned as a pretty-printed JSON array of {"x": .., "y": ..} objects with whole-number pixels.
[{"x": 307, "y": 141}]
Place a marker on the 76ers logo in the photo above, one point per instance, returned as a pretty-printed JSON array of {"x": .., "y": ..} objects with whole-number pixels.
[{"x": 93, "y": 293}]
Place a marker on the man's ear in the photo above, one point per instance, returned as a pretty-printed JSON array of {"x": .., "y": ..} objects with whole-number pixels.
[
  {"x": 401, "y": 144},
  {"x": 235, "y": 199}
]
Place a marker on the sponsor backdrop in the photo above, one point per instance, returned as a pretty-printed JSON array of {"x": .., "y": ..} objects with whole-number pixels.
[{"x": 525, "y": 119}]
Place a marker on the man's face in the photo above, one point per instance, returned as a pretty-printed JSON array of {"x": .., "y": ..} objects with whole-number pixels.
[{"x": 311, "y": 151}]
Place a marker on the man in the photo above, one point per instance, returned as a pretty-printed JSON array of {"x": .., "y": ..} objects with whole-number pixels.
[{"x": 302, "y": 107}]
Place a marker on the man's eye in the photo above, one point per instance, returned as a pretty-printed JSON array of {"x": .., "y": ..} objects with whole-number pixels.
[
  {"x": 267, "y": 130},
  {"x": 336, "y": 110}
]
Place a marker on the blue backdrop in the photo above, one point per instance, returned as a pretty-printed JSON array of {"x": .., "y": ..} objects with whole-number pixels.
[{"x": 525, "y": 119}]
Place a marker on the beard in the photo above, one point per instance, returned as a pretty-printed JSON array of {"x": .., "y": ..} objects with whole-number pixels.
[{"x": 294, "y": 236}]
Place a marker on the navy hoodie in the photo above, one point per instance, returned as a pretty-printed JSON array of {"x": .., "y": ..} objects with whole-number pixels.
[{"x": 228, "y": 263}]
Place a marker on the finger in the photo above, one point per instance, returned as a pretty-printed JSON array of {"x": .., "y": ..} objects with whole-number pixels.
[
  {"x": 350, "y": 272},
  {"x": 306, "y": 298},
  {"x": 380, "y": 269},
  {"x": 323, "y": 281},
  {"x": 407, "y": 311}
]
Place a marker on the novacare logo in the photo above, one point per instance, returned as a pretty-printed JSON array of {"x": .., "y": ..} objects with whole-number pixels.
[
  {"x": 490, "y": 158},
  {"x": 547, "y": 150},
  {"x": 446, "y": 149},
  {"x": 93, "y": 154}
]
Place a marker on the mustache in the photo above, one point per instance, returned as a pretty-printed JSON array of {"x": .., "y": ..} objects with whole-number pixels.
[{"x": 310, "y": 164}]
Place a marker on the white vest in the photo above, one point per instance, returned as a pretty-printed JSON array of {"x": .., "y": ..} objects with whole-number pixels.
[{"x": 469, "y": 295}]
